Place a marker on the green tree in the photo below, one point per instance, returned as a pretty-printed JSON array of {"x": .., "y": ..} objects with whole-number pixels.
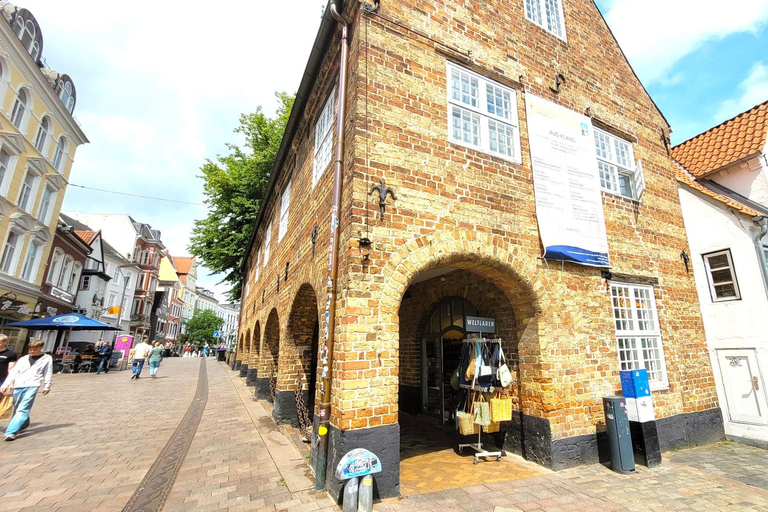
[
  {"x": 201, "y": 326},
  {"x": 234, "y": 186}
]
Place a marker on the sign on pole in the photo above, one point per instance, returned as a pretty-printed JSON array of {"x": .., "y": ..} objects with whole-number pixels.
[{"x": 216, "y": 334}]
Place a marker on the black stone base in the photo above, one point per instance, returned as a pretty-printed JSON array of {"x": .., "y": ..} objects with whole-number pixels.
[
  {"x": 690, "y": 429},
  {"x": 243, "y": 370},
  {"x": 645, "y": 443},
  {"x": 250, "y": 376},
  {"x": 262, "y": 389},
  {"x": 409, "y": 399},
  {"x": 237, "y": 365},
  {"x": 284, "y": 410},
  {"x": 384, "y": 441}
]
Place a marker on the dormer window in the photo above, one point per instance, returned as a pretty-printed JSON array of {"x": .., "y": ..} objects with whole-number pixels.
[
  {"x": 66, "y": 91},
  {"x": 28, "y": 32}
]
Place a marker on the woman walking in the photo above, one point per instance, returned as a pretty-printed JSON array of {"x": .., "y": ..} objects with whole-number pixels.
[{"x": 155, "y": 356}]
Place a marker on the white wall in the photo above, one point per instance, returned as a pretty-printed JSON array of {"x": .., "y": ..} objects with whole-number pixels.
[
  {"x": 117, "y": 230},
  {"x": 729, "y": 324}
]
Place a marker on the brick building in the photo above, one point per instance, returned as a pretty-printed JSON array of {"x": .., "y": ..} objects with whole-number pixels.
[{"x": 440, "y": 102}]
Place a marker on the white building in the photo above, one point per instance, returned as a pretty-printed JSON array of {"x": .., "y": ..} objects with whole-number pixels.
[
  {"x": 723, "y": 187},
  {"x": 229, "y": 313},
  {"x": 206, "y": 301}
]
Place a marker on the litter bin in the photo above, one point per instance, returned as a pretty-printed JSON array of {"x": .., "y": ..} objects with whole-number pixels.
[
  {"x": 222, "y": 354},
  {"x": 619, "y": 439}
]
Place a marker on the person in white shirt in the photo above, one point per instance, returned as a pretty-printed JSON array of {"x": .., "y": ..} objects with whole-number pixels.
[
  {"x": 140, "y": 354},
  {"x": 30, "y": 372}
]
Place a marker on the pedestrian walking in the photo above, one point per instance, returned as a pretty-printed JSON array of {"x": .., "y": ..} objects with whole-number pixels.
[
  {"x": 155, "y": 356},
  {"x": 7, "y": 358},
  {"x": 105, "y": 352},
  {"x": 140, "y": 353},
  {"x": 206, "y": 349},
  {"x": 24, "y": 379}
]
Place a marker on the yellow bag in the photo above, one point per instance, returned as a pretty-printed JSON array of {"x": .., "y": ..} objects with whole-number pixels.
[
  {"x": 6, "y": 407},
  {"x": 466, "y": 423},
  {"x": 501, "y": 409},
  {"x": 493, "y": 427}
]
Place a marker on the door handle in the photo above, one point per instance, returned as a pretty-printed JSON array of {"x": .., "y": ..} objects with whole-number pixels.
[{"x": 755, "y": 384}]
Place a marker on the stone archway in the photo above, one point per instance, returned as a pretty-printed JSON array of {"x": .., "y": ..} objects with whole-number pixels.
[
  {"x": 253, "y": 357},
  {"x": 246, "y": 357},
  {"x": 268, "y": 358},
  {"x": 298, "y": 360}
]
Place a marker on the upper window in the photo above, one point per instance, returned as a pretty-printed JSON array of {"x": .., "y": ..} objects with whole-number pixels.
[
  {"x": 267, "y": 238},
  {"x": 66, "y": 273},
  {"x": 616, "y": 165},
  {"x": 10, "y": 252},
  {"x": 5, "y": 163},
  {"x": 41, "y": 139},
  {"x": 722, "y": 276},
  {"x": 548, "y": 14},
  {"x": 323, "y": 138},
  {"x": 637, "y": 331},
  {"x": 66, "y": 91},
  {"x": 86, "y": 284},
  {"x": 285, "y": 203},
  {"x": 29, "y": 271},
  {"x": 26, "y": 196},
  {"x": 45, "y": 205},
  {"x": 58, "y": 154},
  {"x": 482, "y": 114},
  {"x": 19, "y": 108},
  {"x": 55, "y": 268},
  {"x": 28, "y": 33}
]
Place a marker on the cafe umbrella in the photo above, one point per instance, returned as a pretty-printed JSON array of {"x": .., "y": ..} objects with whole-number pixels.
[{"x": 63, "y": 323}]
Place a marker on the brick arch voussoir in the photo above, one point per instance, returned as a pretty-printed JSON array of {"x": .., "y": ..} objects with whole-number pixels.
[{"x": 296, "y": 352}]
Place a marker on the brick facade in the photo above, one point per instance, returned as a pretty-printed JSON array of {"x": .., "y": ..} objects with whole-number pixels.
[{"x": 470, "y": 216}]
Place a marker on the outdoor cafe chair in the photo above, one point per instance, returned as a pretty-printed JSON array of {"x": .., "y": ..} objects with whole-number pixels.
[
  {"x": 86, "y": 365},
  {"x": 67, "y": 363}
]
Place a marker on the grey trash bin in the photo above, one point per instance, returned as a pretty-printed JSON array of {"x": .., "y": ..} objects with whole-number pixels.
[{"x": 619, "y": 439}]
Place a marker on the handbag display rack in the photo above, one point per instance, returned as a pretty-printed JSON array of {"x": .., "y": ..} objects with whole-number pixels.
[{"x": 478, "y": 348}]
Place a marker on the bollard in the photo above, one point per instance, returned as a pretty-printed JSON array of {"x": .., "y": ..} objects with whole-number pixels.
[
  {"x": 365, "y": 495},
  {"x": 349, "y": 503}
]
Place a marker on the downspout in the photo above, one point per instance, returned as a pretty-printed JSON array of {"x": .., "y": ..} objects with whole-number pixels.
[
  {"x": 763, "y": 223},
  {"x": 324, "y": 409}
]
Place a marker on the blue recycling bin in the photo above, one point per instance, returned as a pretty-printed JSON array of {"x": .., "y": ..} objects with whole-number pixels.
[{"x": 634, "y": 383}]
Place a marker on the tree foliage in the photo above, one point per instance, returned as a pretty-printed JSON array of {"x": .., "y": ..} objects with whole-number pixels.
[
  {"x": 234, "y": 187},
  {"x": 201, "y": 326}
]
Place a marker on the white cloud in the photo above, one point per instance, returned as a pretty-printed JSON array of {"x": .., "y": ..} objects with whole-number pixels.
[
  {"x": 161, "y": 86},
  {"x": 656, "y": 34},
  {"x": 753, "y": 90}
]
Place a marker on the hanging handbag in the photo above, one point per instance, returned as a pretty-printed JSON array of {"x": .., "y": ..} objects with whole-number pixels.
[
  {"x": 456, "y": 378},
  {"x": 503, "y": 374},
  {"x": 482, "y": 413},
  {"x": 501, "y": 409},
  {"x": 466, "y": 420}
]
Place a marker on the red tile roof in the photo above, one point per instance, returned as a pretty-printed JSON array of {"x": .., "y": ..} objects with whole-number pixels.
[
  {"x": 687, "y": 179},
  {"x": 183, "y": 263},
  {"x": 86, "y": 236},
  {"x": 726, "y": 143}
]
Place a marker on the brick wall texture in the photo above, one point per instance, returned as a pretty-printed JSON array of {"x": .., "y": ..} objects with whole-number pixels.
[{"x": 467, "y": 212}]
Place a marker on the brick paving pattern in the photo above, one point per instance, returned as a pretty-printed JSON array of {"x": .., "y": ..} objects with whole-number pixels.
[{"x": 94, "y": 438}]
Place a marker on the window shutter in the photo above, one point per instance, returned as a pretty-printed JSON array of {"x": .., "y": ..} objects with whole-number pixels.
[{"x": 639, "y": 180}]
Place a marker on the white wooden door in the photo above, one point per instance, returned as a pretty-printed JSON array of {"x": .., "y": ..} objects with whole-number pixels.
[{"x": 744, "y": 389}]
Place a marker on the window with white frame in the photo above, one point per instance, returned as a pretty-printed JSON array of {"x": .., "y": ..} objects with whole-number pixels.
[
  {"x": 10, "y": 252},
  {"x": 5, "y": 164},
  {"x": 41, "y": 139},
  {"x": 323, "y": 138},
  {"x": 66, "y": 273},
  {"x": 619, "y": 174},
  {"x": 285, "y": 203},
  {"x": 637, "y": 331},
  {"x": 267, "y": 238},
  {"x": 56, "y": 262},
  {"x": 32, "y": 261},
  {"x": 27, "y": 192},
  {"x": 44, "y": 213},
  {"x": 548, "y": 14},
  {"x": 59, "y": 152},
  {"x": 19, "y": 109},
  {"x": 482, "y": 114},
  {"x": 85, "y": 283},
  {"x": 721, "y": 276}
]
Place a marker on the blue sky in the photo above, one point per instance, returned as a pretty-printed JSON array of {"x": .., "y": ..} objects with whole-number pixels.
[{"x": 161, "y": 85}]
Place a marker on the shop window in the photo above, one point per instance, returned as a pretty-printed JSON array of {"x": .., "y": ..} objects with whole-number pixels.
[
  {"x": 323, "y": 138},
  {"x": 482, "y": 114},
  {"x": 637, "y": 331},
  {"x": 619, "y": 174},
  {"x": 548, "y": 14},
  {"x": 722, "y": 276}
]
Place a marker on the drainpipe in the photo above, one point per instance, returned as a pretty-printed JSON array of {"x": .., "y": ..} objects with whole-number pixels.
[
  {"x": 763, "y": 223},
  {"x": 324, "y": 409}
]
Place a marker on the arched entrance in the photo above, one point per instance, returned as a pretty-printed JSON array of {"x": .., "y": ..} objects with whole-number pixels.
[
  {"x": 267, "y": 366},
  {"x": 245, "y": 358},
  {"x": 253, "y": 356}
]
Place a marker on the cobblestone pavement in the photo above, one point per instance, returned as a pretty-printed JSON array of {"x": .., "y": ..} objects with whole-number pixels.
[{"x": 94, "y": 438}]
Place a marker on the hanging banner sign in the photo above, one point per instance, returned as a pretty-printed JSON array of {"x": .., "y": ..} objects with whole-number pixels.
[
  {"x": 569, "y": 206},
  {"x": 481, "y": 324},
  {"x": 357, "y": 462}
]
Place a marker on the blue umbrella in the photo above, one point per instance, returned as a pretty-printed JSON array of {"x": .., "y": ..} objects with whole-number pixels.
[{"x": 65, "y": 322}]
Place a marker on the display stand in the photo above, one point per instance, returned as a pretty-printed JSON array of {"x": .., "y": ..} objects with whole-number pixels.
[{"x": 478, "y": 447}]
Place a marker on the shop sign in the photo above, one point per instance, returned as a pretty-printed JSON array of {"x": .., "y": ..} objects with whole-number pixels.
[
  {"x": 358, "y": 462},
  {"x": 9, "y": 303},
  {"x": 480, "y": 324},
  {"x": 61, "y": 294}
]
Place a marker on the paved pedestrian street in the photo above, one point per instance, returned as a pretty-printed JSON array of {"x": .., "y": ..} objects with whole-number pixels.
[{"x": 108, "y": 443}]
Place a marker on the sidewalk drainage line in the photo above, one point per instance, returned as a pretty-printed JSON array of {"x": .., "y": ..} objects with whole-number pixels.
[{"x": 154, "y": 489}]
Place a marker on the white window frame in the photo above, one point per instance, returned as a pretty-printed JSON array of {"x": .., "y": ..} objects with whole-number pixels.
[
  {"x": 481, "y": 114},
  {"x": 28, "y": 203},
  {"x": 618, "y": 172},
  {"x": 55, "y": 269},
  {"x": 74, "y": 278},
  {"x": 20, "y": 110},
  {"x": 66, "y": 272},
  {"x": 6, "y": 169},
  {"x": 11, "y": 261},
  {"x": 285, "y": 204},
  {"x": 539, "y": 12},
  {"x": 638, "y": 334},
  {"x": 323, "y": 138},
  {"x": 59, "y": 152},
  {"x": 46, "y": 206},
  {"x": 267, "y": 239},
  {"x": 711, "y": 277},
  {"x": 31, "y": 266},
  {"x": 85, "y": 283},
  {"x": 43, "y": 135}
]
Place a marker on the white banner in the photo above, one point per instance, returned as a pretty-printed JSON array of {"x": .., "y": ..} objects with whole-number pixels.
[{"x": 569, "y": 205}]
